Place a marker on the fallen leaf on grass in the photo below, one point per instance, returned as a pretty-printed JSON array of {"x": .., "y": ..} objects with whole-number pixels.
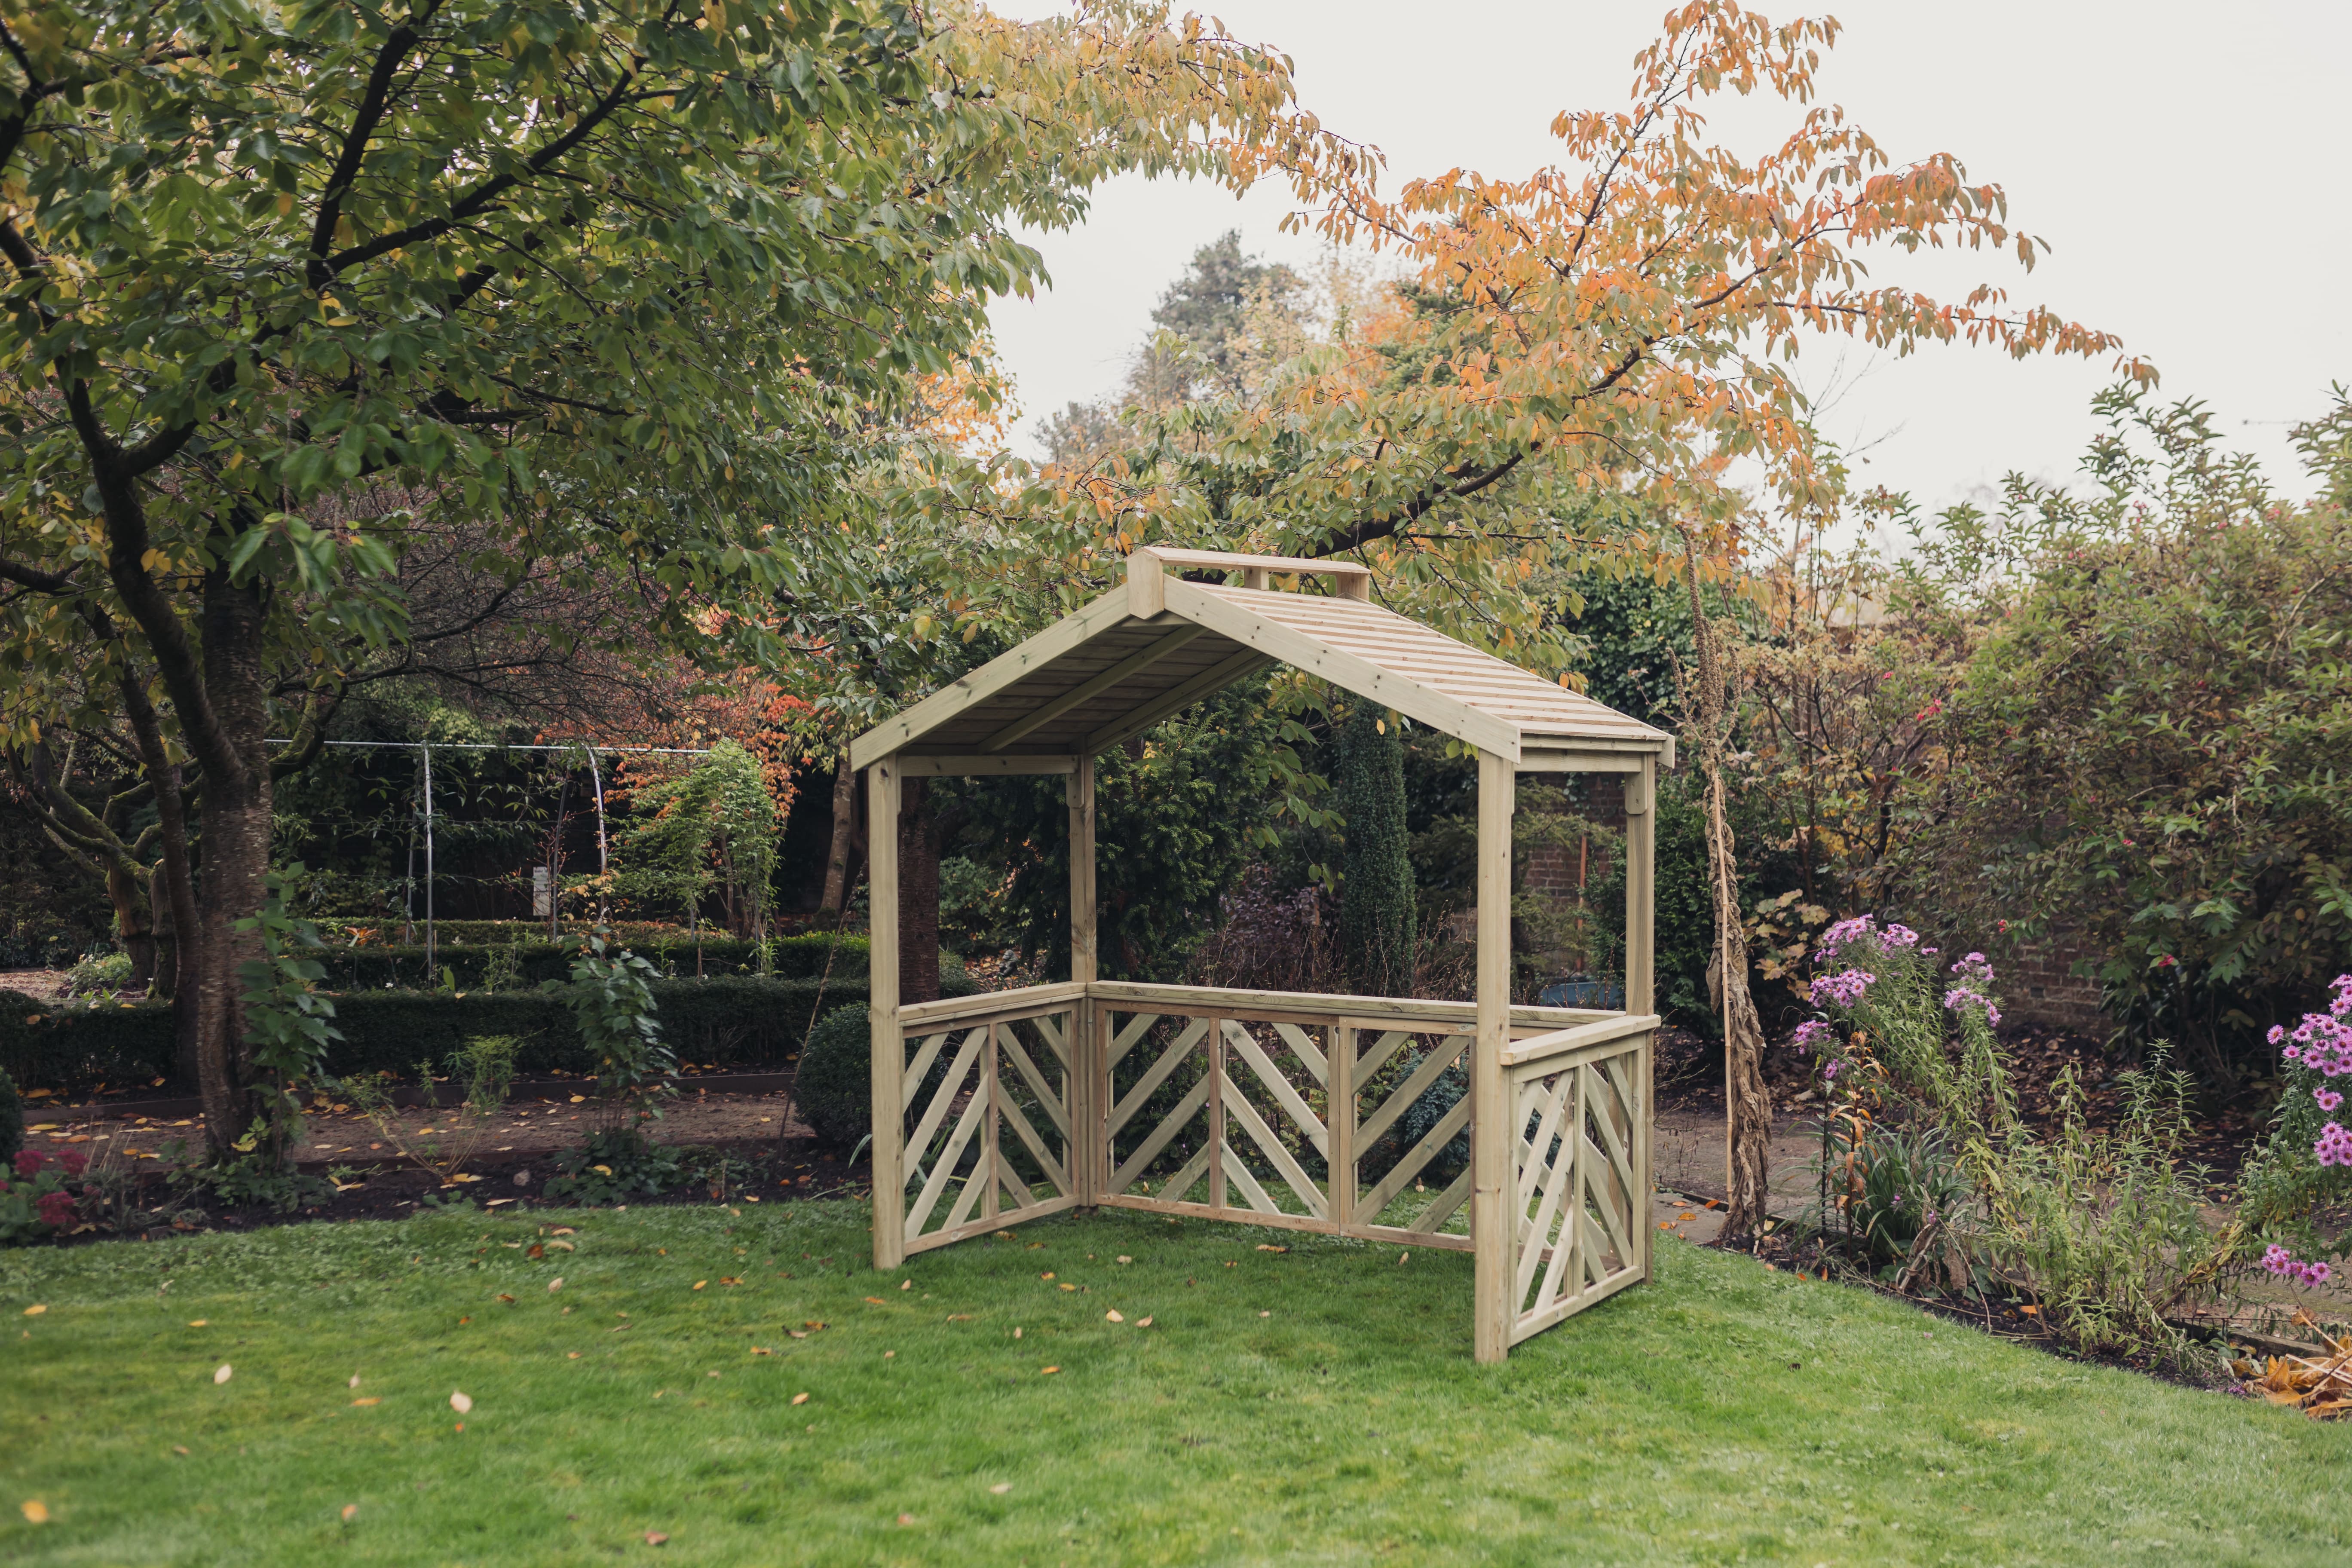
[
  {"x": 1142, "y": 1322},
  {"x": 554, "y": 1285},
  {"x": 371, "y": 1399},
  {"x": 796, "y": 1333},
  {"x": 223, "y": 1375},
  {"x": 654, "y": 1538},
  {"x": 799, "y": 1399},
  {"x": 355, "y": 1380},
  {"x": 1049, "y": 1371},
  {"x": 876, "y": 1299},
  {"x": 1047, "y": 1275},
  {"x": 959, "y": 1317},
  {"x": 906, "y": 1284},
  {"x": 1123, "y": 1257},
  {"x": 731, "y": 1279},
  {"x": 460, "y": 1402},
  {"x": 1065, "y": 1285},
  {"x": 37, "y": 1511},
  {"x": 198, "y": 1322},
  {"x": 506, "y": 1299},
  {"x": 351, "y": 1511},
  {"x": 564, "y": 1244},
  {"x": 1001, "y": 1488},
  {"x": 1403, "y": 1255},
  {"x": 35, "y": 1311},
  {"x": 536, "y": 1251},
  {"x": 1113, "y": 1316},
  {"x": 178, "y": 1450},
  {"x": 700, "y": 1283},
  {"x": 762, "y": 1349},
  {"x": 1264, "y": 1246},
  {"x": 572, "y": 1355}
]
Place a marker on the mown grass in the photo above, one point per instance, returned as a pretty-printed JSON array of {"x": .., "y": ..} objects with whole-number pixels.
[{"x": 1317, "y": 1404}]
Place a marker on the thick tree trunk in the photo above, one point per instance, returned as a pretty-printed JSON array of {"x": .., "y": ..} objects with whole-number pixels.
[
  {"x": 918, "y": 896},
  {"x": 236, "y": 860},
  {"x": 1748, "y": 1107},
  {"x": 845, "y": 830}
]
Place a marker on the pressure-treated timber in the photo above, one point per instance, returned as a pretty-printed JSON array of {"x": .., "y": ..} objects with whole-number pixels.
[
  {"x": 1009, "y": 765},
  {"x": 1491, "y": 1133},
  {"x": 889, "y": 1054},
  {"x": 1004, "y": 1106},
  {"x": 1087, "y": 690},
  {"x": 1085, "y": 1034}
]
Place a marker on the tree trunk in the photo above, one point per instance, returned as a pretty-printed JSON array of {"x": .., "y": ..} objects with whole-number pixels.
[
  {"x": 844, "y": 828},
  {"x": 1748, "y": 1107},
  {"x": 134, "y": 924},
  {"x": 918, "y": 896},
  {"x": 235, "y": 836}
]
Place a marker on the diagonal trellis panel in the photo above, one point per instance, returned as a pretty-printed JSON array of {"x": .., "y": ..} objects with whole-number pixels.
[
  {"x": 1582, "y": 1213},
  {"x": 989, "y": 1136}
]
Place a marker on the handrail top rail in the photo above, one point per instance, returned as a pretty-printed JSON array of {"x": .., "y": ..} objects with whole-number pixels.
[
  {"x": 1236, "y": 1002},
  {"x": 1535, "y": 1048}
]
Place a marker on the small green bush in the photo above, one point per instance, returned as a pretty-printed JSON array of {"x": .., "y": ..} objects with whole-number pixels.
[{"x": 834, "y": 1088}]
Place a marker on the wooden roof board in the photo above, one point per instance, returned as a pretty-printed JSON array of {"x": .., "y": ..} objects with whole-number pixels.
[{"x": 1452, "y": 687}]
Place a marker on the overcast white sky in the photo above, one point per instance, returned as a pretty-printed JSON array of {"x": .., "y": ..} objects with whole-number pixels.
[{"x": 2186, "y": 164}]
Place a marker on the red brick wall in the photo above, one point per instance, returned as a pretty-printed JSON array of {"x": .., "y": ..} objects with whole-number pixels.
[{"x": 2037, "y": 986}]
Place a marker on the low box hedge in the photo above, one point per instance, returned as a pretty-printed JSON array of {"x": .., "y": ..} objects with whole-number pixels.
[
  {"x": 727, "y": 1021},
  {"x": 373, "y": 967}
]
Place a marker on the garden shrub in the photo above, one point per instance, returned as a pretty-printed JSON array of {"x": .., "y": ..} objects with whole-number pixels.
[
  {"x": 833, "y": 1090},
  {"x": 36, "y": 1196},
  {"x": 2306, "y": 1165},
  {"x": 2152, "y": 748},
  {"x": 2105, "y": 1228},
  {"x": 471, "y": 966},
  {"x": 740, "y": 1020}
]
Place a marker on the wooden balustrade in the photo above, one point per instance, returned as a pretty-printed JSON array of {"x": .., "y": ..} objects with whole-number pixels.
[{"x": 1280, "y": 1109}]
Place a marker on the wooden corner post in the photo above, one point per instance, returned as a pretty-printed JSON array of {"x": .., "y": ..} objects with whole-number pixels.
[
  {"x": 1087, "y": 1063},
  {"x": 1493, "y": 1139},
  {"x": 887, "y": 1045},
  {"x": 1641, "y": 975}
]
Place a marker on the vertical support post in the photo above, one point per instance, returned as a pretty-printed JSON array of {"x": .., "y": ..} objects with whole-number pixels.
[
  {"x": 1641, "y": 975},
  {"x": 1089, "y": 1160},
  {"x": 1340, "y": 1118},
  {"x": 428, "y": 864},
  {"x": 1494, "y": 1227},
  {"x": 887, "y": 1042}
]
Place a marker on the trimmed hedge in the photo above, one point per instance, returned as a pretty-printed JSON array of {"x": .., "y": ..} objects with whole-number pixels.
[
  {"x": 833, "y": 1090},
  {"x": 731, "y": 1021},
  {"x": 794, "y": 957}
]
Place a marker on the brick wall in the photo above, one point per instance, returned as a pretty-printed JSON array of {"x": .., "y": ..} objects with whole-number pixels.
[{"x": 2037, "y": 986}]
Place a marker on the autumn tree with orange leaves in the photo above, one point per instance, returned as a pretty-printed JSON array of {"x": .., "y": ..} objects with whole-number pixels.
[{"x": 1587, "y": 368}]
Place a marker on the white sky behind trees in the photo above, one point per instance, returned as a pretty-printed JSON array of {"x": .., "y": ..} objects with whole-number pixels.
[{"x": 2185, "y": 163}]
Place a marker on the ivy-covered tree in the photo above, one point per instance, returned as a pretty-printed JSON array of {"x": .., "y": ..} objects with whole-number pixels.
[{"x": 1376, "y": 886}]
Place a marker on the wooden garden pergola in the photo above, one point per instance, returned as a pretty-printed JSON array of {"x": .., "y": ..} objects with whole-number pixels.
[{"x": 1270, "y": 1108}]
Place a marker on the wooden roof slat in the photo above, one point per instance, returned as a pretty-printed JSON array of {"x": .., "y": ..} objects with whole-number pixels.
[{"x": 1129, "y": 659}]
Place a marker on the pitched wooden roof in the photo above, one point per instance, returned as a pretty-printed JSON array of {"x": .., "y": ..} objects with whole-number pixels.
[{"x": 1141, "y": 654}]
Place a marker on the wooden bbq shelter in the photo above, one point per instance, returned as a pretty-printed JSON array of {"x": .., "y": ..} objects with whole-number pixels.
[{"x": 1277, "y": 1108}]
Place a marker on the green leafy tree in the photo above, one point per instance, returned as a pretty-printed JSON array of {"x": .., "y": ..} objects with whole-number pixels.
[
  {"x": 620, "y": 286},
  {"x": 715, "y": 824}
]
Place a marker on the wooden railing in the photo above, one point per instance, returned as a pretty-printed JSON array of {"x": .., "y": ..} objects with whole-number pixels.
[{"x": 1281, "y": 1109}]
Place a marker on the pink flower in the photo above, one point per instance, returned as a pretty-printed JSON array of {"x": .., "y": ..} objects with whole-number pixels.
[
  {"x": 74, "y": 1160},
  {"x": 2335, "y": 1145},
  {"x": 2278, "y": 1032},
  {"x": 2328, "y": 1099},
  {"x": 53, "y": 1208},
  {"x": 1843, "y": 989},
  {"x": 28, "y": 1165}
]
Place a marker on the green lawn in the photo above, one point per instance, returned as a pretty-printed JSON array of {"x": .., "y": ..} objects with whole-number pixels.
[{"x": 1318, "y": 1405}]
